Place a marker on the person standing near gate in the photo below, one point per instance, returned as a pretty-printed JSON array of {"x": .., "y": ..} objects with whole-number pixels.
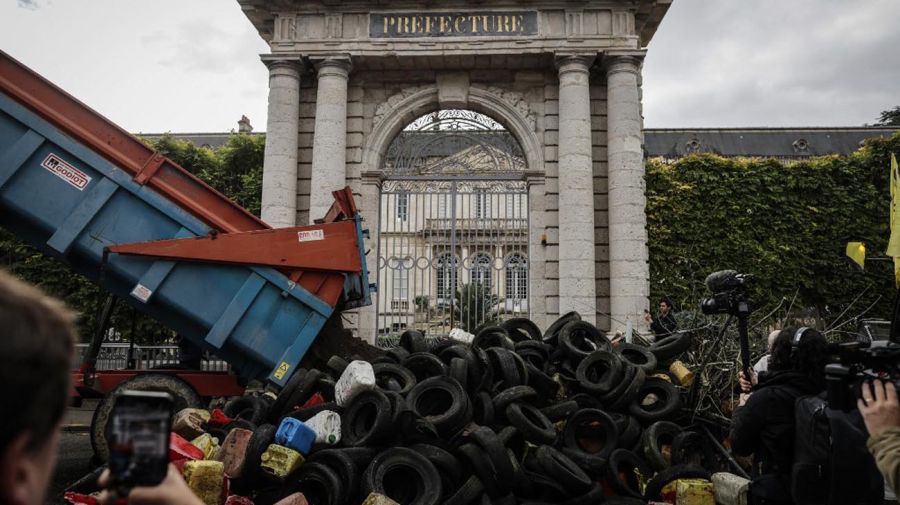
[{"x": 664, "y": 323}]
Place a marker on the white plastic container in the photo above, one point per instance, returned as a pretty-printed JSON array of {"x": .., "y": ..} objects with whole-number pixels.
[
  {"x": 357, "y": 377},
  {"x": 327, "y": 425},
  {"x": 730, "y": 489},
  {"x": 462, "y": 336}
]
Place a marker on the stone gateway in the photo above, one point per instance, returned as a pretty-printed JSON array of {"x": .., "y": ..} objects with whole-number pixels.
[{"x": 495, "y": 149}]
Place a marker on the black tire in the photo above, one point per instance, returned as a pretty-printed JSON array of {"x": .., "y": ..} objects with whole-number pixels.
[
  {"x": 259, "y": 441},
  {"x": 298, "y": 396},
  {"x": 666, "y": 405},
  {"x": 320, "y": 484},
  {"x": 592, "y": 432},
  {"x": 248, "y": 408},
  {"x": 659, "y": 481},
  {"x": 344, "y": 466},
  {"x": 413, "y": 341},
  {"x": 483, "y": 411},
  {"x": 654, "y": 438},
  {"x": 424, "y": 365},
  {"x": 503, "y": 399},
  {"x": 443, "y": 402},
  {"x": 182, "y": 393},
  {"x": 514, "y": 441},
  {"x": 307, "y": 413},
  {"x": 474, "y": 367},
  {"x": 690, "y": 447},
  {"x": 546, "y": 387},
  {"x": 493, "y": 336},
  {"x": 593, "y": 496},
  {"x": 630, "y": 393},
  {"x": 552, "y": 333},
  {"x": 631, "y": 434},
  {"x": 483, "y": 468},
  {"x": 404, "y": 476},
  {"x": 506, "y": 370},
  {"x": 336, "y": 365},
  {"x": 586, "y": 401},
  {"x": 459, "y": 370},
  {"x": 628, "y": 374},
  {"x": 533, "y": 425},
  {"x": 620, "y": 472},
  {"x": 521, "y": 329},
  {"x": 397, "y": 354},
  {"x": 599, "y": 372},
  {"x": 560, "y": 411},
  {"x": 400, "y": 374},
  {"x": 580, "y": 338},
  {"x": 470, "y": 491},
  {"x": 493, "y": 447},
  {"x": 447, "y": 465},
  {"x": 670, "y": 347},
  {"x": 564, "y": 470},
  {"x": 593, "y": 465},
  {"x": 280, "y": 406},
  {"x": 638, "y": 356},
  {"x": 367, "y": 419}
]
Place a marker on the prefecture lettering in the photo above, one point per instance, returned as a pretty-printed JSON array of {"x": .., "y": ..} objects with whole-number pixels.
[{"x": 452, "y": 24}]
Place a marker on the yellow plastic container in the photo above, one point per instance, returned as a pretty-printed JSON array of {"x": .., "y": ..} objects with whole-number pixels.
[
  {"x": 278, "y": 461},
  {"x": 684, "y": 374},
  {"x": 379, "y": 499},
  {"x": 205, "y": 478},
  {"x": 663, "y": 376},
  {"x": 208, "y": 444},
  {"x": 694, "y": 492}
]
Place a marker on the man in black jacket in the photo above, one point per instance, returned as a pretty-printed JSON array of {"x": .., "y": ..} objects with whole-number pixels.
[
  {"x": 763, "y": 424},
  {"x": 664, "y": 324}
]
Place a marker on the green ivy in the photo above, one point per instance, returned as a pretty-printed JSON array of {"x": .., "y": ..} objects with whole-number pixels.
[{"x": 787, "y": 224}]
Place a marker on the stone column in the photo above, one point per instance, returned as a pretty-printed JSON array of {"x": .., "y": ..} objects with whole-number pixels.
[
  {"x": 279, "y": 189},
  {"x": 629, "y": 271},
  {"x": 329, "y": 157},
  {"x": 576, "y": 189}
]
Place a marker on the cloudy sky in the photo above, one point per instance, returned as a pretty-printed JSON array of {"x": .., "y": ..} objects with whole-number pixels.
[{"x": 193, "y": 65}]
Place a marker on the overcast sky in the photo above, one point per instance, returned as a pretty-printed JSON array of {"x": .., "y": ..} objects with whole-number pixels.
[{"x": 193, "y": 65}]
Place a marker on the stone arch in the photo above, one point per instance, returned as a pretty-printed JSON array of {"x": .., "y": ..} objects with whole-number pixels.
[{"x": 403, "y": 108}]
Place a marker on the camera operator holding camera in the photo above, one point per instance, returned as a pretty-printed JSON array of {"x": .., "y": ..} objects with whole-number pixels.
[
  {"x": 881, "y": 412},
  {"x": 764, "y": 421}
]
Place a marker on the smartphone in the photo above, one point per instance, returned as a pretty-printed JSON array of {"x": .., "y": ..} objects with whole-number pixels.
[{"x": 138, "y": 437}]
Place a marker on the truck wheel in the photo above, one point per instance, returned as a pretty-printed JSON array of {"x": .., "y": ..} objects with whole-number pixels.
[{"x": 184, "y": 395}]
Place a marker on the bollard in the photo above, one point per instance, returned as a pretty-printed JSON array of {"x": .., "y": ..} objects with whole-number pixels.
[
  {"x": 730, "y": 489},
  {"x": 327, "y": 427},
  {"x": 208, "y": 444},
  {"x": 189, "y": 422},
  {"x": 233, "y": 452},
  {"x": 379, "y": 499},
  {"x": 294, "y": 499},
  {"x": 293, "y": 434},
  {"x": 279, "y": 461},
  {"x": 682, "y": 372},
  {"x": 205, "y": 478},
  {"x": 357, "y": 377}
]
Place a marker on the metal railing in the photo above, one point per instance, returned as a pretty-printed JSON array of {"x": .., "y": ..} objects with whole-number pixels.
[
  {"x": 114, "y": 356},
  {"x": 475, "y": 223}
]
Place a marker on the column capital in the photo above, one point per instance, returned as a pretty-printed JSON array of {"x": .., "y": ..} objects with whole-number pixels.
[
  {"x": 286, "y": 64},
  {"x": 338, "y": 65},
  {"x": 623, "y": 61},
  {"x": 574, "y": 62}
]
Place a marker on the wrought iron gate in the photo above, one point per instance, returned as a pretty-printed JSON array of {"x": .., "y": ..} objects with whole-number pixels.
[{"x": 453, "y": 226}]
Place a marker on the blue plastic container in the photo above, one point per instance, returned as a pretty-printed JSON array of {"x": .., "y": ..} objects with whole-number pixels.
[{"x": 292, "y": 433}]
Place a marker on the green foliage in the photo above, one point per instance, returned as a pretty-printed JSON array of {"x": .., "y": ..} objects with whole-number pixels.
[
  {"x": 785, "y": 223},
  {"x": 235, "y": 169},
  {"x": 890, "y": 117},
  {"x": 475, "y": 305}
]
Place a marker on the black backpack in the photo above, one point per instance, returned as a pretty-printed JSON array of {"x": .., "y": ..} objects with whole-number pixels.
[{"x": 832, "y": 464}]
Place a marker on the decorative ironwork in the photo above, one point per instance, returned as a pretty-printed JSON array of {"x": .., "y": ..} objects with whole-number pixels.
[{"x": 453, "y": 226}]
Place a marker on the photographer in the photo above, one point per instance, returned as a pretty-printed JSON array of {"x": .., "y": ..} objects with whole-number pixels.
[
  {"x": 36, "y": 345},
  {"x": 881, "y": 413},
  {"x": 764, "y": 421}
]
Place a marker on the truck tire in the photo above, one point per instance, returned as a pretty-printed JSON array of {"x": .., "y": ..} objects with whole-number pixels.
[
  {"x": 521, "y": 329},
  {"x": 667, "y": 404},
  {"x": 182, "y": 393},
  {"x": 405, "y": 476},
  {"x": 580, "y": 338},
  {"x": 552, "y": 333},
  {"x": 638, "y": 356},
  {"x": 599, "y": 372}
]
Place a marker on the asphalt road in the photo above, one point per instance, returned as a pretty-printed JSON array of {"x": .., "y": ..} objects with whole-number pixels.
[{"x": 73, "y": 463}]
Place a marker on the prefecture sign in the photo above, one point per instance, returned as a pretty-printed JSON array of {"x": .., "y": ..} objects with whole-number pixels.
[{"x": 453, "y": 24}]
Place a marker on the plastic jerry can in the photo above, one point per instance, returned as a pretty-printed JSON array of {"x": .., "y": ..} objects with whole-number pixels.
[
  {"x": 208, "y": 444},
  {"x": 730, "y": 489},
  {"x": 238, "y": 500},
  {"x": 233, "y": 451},
  {"x": 357, "y": 377},
  {"x": 684, "y": 374},
  {"x": 279, "y": 461},
  {"x": 327, "y": 427},
  {"x": 295, "y": 435},
  {"x": 180, "y": 449},
  {"x": 189, "y": 422},
  {"x": 205, "y": 478},
  {"x": 379, "y": 499},
  {"x": 462, "y": 336},
  {"x": 294, "y": 499},
  {"x": 694, "y": 492}
]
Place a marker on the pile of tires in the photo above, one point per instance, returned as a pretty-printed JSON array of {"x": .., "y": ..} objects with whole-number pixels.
[{"x": 516, "y": 416}]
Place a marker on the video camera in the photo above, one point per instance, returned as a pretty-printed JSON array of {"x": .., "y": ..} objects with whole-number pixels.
[
  {"x": 854, "y": 363},
  {"x": 730, "y": 295}
]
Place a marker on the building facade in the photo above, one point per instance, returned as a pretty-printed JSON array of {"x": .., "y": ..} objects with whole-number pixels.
[{"x": 495, "y": 150}]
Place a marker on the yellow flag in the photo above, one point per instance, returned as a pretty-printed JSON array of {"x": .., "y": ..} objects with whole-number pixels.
[{"x": 893, "y": 248}]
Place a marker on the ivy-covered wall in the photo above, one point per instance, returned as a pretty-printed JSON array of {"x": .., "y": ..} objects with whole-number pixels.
[{"x": 787, "y": 224}]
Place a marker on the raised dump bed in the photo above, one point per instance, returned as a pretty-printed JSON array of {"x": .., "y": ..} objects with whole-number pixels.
[{"x": 83, "y": 190}]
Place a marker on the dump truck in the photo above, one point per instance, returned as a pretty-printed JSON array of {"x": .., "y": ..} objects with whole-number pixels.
[{"x": 85, "y": 191}]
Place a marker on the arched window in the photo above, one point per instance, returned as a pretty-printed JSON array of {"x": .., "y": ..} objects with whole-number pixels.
[
  {"x": 481, "y": 269},
  {"x": 446, "y": 278},
  {"x": 516, "y": 278}
]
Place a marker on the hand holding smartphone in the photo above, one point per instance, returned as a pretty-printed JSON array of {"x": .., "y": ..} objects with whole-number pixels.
[{"x": 138, "y": 437}]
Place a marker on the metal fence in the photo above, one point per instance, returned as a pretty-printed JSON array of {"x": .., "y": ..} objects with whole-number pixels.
[{"x": 114, "y": 356}]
